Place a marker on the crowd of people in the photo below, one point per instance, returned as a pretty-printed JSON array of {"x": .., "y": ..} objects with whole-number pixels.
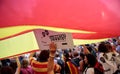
[{"x": 99, "y": 58}]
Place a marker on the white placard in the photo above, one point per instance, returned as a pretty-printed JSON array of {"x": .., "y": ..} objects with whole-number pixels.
[{"x": 45, "y": 37}]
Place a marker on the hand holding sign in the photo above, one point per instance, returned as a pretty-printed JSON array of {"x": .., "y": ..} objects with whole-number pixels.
[{"x": 53, "y": 48}]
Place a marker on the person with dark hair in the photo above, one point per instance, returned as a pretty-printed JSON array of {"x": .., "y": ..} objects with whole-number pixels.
[
  {"x": 43, "y": 56},
  {"x": 66, "y": 59},
  {"x": 92, "y": 50},
  {"x": 70, "y": 67},
  {"x": 105, "y": 57},
  {"x": 102, "y": 47},
  {"x": 82, "y": 63},
  {"x": 6, "y": 70},
  {"x": 5, "y": 62},
  {"x": 91, "y": 61},
  {"x": 40, "y": 65},
  {"x": 44, "y": 61},
  {"x": 111, "y": 58},
  {"x": 59, "y": 61},
  {"x": 13, "y": 65},
  {"x": 12, "y": 68},
  {"x": 75, "y": 60}
]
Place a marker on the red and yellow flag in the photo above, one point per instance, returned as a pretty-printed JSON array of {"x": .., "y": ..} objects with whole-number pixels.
[{"x": 89, "y": 21}]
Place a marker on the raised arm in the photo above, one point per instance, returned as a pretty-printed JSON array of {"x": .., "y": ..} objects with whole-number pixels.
[
  {"x": 18, "y": 66},
  {"x": 31, "y": 54},
  {"x": 53, "y": 48},
  {"x": 86, "y": 51}
]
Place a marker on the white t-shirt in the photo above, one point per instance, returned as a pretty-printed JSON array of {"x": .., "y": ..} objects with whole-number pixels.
[
  {"x": 89, "y": 71},
  {"x": 99, "y": 56},
  {"x": 109, "y": 64}
]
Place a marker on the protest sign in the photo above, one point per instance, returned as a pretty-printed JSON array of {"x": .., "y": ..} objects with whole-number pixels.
[{"x": 45, "y": 37}]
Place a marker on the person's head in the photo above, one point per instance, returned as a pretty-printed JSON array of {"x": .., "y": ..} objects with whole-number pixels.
[
  {"x": 24, "y": 63},
  {"x": 90, "y": 60},
  {"x": 43, "y": 56},
  {"x": 5, "y": 62},
  {"x": 102, "y": 47},
  {"x": 89, "y": 48},
  {"x": 82, "y": 56},
  {"x": 109, "y": 47},
  {"x": 118, "y": 42},
  {"x": 66, "y": 56},
  {"x": 75, "y": 54},
  {"x": 13, "y": 65},
  {"x": 6, "y": 70}
]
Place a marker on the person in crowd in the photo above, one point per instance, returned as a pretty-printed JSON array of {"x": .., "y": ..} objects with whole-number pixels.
[
  {"x": 11, "y": 69},
  {"x": 60, "y": 61},
  {"x": 5, "y": 62},
  {"x": 13, "y": 64},
  {"x": 91, "y": 50},
  {"x": 101, "y": 50},
  {"x": 82, "y": 63},
  {"x": 18, "y": 66},
  {"x": 105, "y": 58},
  {"x": 75, "y": 60},
  {"x": 118, "y": 46},
  {"x": 110, "y": 57},
  {"x": 25, "y": 67},
  {"x": 66, "y": 59},
  {"x": 91, "y": 63},
  {"x": 6, "y": 70},
  {"x": 70, "y": 68},
  {"x": 51, "y": 66},
  {"x": 85, "y": 50},
  {"x": 70, "y": 51},
  {"x": 44, "y": 60}
]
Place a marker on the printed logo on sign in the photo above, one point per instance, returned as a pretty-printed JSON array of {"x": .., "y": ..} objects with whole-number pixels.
[
  {"x": 45, "y": 33},
  {"x": 58, "y": 38}
]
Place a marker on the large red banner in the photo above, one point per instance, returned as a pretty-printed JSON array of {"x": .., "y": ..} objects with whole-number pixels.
[{"x": 99, "y": 16}]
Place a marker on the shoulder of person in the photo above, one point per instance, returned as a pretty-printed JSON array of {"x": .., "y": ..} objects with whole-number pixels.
[{"x": 90, "y": 70}]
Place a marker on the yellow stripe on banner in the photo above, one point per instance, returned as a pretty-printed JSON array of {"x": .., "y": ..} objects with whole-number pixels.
[
  {"x": 8, "y": 31},
  {"x": 85, "y": 41},
  {"x": 17, "y": 45}
]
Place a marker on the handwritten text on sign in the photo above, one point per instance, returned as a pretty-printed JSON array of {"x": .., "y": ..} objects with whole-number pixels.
[{"x": 59, "y": 37}]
